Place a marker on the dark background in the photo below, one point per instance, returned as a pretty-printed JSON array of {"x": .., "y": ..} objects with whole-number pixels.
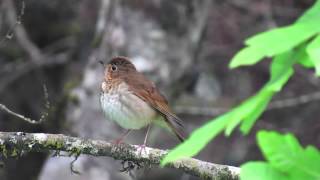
[{"x": 184, "y": 46}]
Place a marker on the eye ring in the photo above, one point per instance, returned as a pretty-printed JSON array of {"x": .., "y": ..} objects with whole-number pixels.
[{"x": 114, "y": 68}]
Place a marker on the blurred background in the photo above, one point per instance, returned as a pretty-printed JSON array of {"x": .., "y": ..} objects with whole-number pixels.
[{"x": 184, "y": 46}]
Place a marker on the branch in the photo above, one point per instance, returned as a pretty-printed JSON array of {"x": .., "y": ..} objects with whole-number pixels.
[
  {"x": 21, "y": 69},
  {"x": 276, "y": 104},
  {"x": 29, "y": 120},
  {"x": 14, "y": 143},
  {"x": 22, "y": 37}
]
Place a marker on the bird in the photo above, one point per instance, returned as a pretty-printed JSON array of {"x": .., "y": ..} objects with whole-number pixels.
[{"x": 133, "y": 101}]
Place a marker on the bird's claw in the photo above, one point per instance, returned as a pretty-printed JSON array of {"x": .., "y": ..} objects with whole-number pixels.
[
  {"x": 118, "y": 141},
  {"x": 141, "y": 148}
]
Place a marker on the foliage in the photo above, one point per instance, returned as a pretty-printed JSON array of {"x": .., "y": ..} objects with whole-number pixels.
[
  {"x": 286, "y": 159},
  {"x": 296, "y": 44}
]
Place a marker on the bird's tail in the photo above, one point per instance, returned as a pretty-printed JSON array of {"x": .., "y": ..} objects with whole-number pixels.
[
  {"x": 177, "y": 131},
  {"x": 173, "y": 124},
  {"x": 176, "y": 126}
]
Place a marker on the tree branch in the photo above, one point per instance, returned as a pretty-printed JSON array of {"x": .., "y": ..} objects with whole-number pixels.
[
  {"x": 22, "y": 36},
  {"x": 16, "y": 143},
  {"x": 276, "y": 104},
  {"x": 21, "y": 69},
  {"x": 20, "y": 116}
]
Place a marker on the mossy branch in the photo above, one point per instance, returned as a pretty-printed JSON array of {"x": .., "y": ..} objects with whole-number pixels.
[{"x": 16, "y": 143}]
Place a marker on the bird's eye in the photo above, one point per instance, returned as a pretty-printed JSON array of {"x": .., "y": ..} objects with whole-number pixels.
[{"x": 114, "y": 68}]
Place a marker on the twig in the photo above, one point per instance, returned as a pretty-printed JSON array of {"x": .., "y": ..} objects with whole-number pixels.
[
  {"x": 12, "y": 143},
  {"x": 195, "y": 110},
  {"x": 277, "y": 104},
  {"x": 29, "y": 120},
  {"x": 45, "y": 114},
  {"x": 72, "y": 169},
  {"x": 290, "y": 102},
  {"x": 15, "y": 21},
  {"x": 24, "y": 68},
  {"x": 4, "y": 108},
  {"x": 9, "y": 34}
]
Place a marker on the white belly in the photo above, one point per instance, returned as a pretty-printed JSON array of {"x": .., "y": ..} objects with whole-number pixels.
[{"x": 129, "y": 111}]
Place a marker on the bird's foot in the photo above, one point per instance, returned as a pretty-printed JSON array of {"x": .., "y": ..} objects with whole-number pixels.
[
  {"x": 141, "y": 148},
  {"x": 118, "y": 141}
]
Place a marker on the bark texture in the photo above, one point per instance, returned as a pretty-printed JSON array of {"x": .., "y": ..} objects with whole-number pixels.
[{"x": 14, "y": 144}]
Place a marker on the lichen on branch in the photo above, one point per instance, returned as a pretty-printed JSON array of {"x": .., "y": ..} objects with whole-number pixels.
[{"x": 16, "y": 143}]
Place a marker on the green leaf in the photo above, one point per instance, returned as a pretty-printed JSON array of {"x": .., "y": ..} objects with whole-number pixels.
[
  {"x": 279, "y": 42},
  {"x": 261, "y": 171},
  {"x": 310, "y": 158},
  {"x": 284, "y": 153},
  {"x": 312, "y": 14},
  {"x": 200, "y": 137},
  {"x": 248, "y": 122},
  {"x": 303, "y": 58},
  {"x": 281, "y": 70},
  {"x": 247, "y": 56},
  {"x": 313, "y": 50},
  {"x": 273, "y": 42},
  {"x": 284, "y": 38},
  {"x": 306, "y": 62},
  {"x": 250, "y": 110},
  {"x": 276, "y": 149},
  {"x": 286, "y": 159},
  {"x": 241, "y": 112},
  {"x": 197, "y": 140}
]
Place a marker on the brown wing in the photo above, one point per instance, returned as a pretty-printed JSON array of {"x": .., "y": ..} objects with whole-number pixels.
[{"x": 146, "y": 90}]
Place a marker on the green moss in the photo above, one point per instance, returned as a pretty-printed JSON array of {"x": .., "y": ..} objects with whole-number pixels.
[
  {"x": 204, "y": 176},
  {"x": 53, "y": 143},
  {"x": 7, "y": 151},
  {"x": 59, "y": 145},
  {"x": 75, "y": 152},
  {"x": 14, "y": 153},
  {"x": 3, "y": 150}
]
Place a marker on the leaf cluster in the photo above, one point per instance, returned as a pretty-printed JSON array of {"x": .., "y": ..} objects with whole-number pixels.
[{"x": 295, "y": 44}]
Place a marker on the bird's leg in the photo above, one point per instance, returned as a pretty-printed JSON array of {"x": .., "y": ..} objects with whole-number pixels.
[
  {"x": 143, "y": 146},
  {"x": 120, "y": 139},
  {"x": 147, "y": 134}
]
